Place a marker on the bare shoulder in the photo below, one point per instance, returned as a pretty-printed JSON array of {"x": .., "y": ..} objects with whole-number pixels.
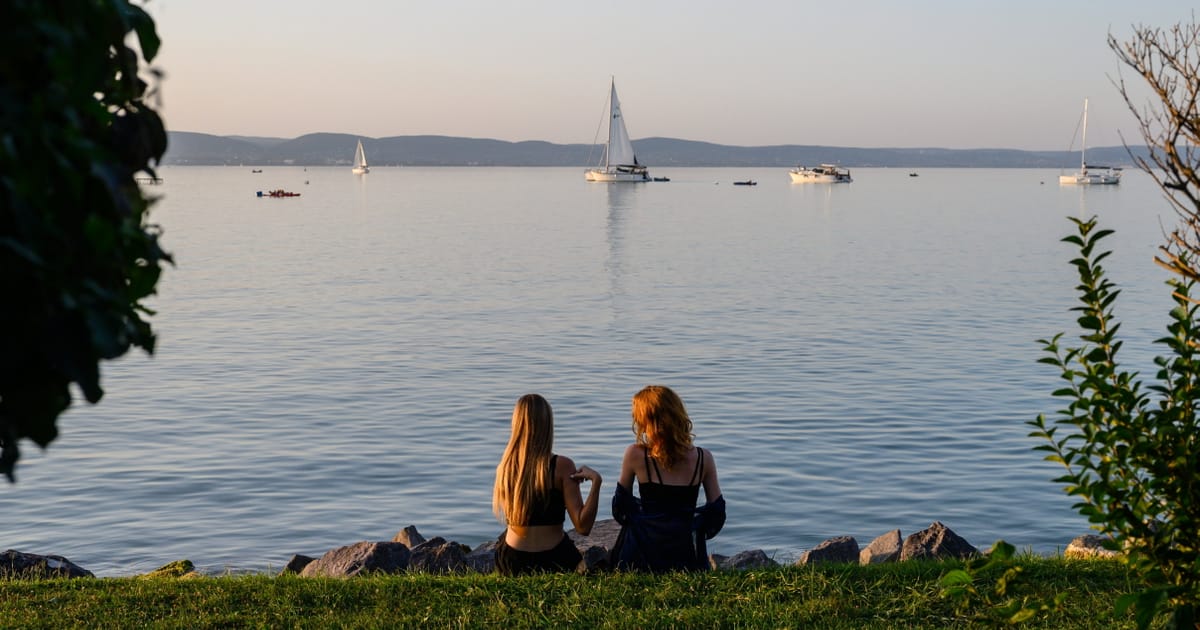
[
  {"x": 635, "y": 451},
  {"x": 564, "y": 467},
  {"x": 709, "y": 460}
]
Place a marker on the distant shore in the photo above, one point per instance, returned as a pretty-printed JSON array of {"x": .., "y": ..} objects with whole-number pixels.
[{"x": 337, "y": 149}]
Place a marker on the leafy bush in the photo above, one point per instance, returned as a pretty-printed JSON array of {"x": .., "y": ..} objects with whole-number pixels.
[
  {"x": 1132, "y": 453},
  {"x": 76, "y": 254}
]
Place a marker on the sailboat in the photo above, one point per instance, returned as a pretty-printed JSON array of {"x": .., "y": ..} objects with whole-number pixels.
[
  {"x": 1090, "y": 174},
  {"x": 360, "y": 161},
  {"x": 620, "y": 163}
]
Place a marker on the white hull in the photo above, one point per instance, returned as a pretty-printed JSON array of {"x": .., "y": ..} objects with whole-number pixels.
[
  {"x": 824, "y": 174},
  {"x": 1091, "y": 178},
  {"x": 360, "y": 170},
  {"x": 801, "y": 178},
  {"x": 611, "y": 175}
]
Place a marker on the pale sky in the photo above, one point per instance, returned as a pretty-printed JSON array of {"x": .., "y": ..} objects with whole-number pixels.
[{"x": 922, "y": 73}]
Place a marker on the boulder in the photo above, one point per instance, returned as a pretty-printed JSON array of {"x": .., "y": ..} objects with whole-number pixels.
[
  {"x": 839, "y": 549},
  {"x": 936, "y": 541},
  {"x": 360, "y": 558},
  {"x": 296, "y": 564},
  {"x": 437, "y": 555},
  {"x": 752, "y": 559},
  {"x": 482, "y": 559},
  {"x": 409, "y": 536},
  {"x": 595, "y": 560},
  {"x": 603, "y": 534},
  {"x": 885, "y": 548},
  {"x": 1087, "y": 547},
  {"x": 29, "y": 566}
]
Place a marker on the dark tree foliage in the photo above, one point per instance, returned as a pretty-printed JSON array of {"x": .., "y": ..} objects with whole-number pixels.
[{"x": 77, "y": 256}]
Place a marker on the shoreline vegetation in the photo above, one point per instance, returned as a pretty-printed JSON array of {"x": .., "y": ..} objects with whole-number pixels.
[{"x": 907, "y": 595}]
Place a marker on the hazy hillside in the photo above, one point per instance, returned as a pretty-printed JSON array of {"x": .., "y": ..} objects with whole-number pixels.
[{"x": 328, "y": 149}]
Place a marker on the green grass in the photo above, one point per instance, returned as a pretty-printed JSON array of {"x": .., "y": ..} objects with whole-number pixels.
[{"x": 904, "y": 595}]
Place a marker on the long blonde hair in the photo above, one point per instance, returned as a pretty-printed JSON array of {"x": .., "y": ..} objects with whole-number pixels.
[
  {"x": 524, "y": 470},
  {"x": 661, "y": 424}
]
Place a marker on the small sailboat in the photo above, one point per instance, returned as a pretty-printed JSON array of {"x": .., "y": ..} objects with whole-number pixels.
[
  {"x": 620, "y": 162},
  {"x": 1090, "y": 174},
  {"x": 360, "y": 161}
]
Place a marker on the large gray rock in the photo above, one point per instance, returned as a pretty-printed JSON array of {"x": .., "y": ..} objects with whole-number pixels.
[
  {"x": 742, "y": 560},
  {"x": 596, "y": 545},
  {"x": 360, "y": 558},
  {"x": 1087, "y": 547},
  {"x": 436, "y": 555},
  {"x": 839, "y": 549},
  {"x": 595, "y": 560},
  {"x": 603, "y": 534},
  {"x": 936, "y": 541},
  {"x": 409, "y": 536},
  {"x": 885, "y": 548},
  {"x": 482, "y": 559},
  {"x": 296, "y": 564},
  {"x": 30, "y": 566}
]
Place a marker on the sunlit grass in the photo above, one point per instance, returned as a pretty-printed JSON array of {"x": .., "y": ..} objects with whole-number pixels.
[{"x": 904, "y": 595}]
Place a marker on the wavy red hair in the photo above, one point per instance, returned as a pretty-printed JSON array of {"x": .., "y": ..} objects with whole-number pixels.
[{"x": 661, "y": 425}]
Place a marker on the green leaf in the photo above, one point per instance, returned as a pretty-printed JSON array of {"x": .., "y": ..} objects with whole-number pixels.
[{"x": 956, "y": 577}]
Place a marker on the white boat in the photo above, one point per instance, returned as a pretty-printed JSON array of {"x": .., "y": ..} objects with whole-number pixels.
[
  {"x": 1088, "y": 173},
  {"x": 360, "y": 161},
  {"x": 830, "y": 173},
  {"x": 620, "y": 163}
]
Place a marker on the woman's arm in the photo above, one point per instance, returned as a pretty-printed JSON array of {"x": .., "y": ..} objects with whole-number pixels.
[
  {"x": 583, "y": 514},
  {"x": 712, "y": 488},
  {"x": 629, "y": 464},
  {"x": 587, "y": 515}
]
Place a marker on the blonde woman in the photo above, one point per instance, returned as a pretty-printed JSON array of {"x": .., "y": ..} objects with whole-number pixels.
[
  {"x": 535, "y": 489},
  {"x": 662, "y": 529}
]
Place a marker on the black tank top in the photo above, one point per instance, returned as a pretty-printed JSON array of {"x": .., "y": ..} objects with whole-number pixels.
[
  {"x": 549, "y": 509},
  {"x": 666, "y": 496}
]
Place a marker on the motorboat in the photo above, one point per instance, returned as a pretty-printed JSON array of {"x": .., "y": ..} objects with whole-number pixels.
[{"x": 825, "y": 173}]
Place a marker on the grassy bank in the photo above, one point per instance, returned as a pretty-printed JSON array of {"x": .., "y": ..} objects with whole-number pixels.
[{"x": 905, "y": 595}]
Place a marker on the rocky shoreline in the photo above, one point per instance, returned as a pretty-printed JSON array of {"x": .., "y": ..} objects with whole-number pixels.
[{"x": 409, "y": 551}]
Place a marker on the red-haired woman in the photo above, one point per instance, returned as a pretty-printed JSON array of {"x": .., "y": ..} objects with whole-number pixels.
[{"x": 662, "y": 529}]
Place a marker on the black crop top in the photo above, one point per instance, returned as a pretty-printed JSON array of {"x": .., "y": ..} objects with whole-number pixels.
[
  {"x": 550, "y": 509},
  {"x": 667, "y": 496}
]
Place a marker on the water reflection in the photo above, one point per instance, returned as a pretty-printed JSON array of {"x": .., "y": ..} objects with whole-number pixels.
[
  {"x": 621, "y": 198},
  {"x": 819, "y": 195}
]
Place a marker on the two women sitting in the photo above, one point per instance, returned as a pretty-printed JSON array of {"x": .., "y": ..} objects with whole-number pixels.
[{"x": 662, "y": 530}]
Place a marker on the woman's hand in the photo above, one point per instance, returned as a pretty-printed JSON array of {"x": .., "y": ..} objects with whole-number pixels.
[{"x": 585, "y": 473}]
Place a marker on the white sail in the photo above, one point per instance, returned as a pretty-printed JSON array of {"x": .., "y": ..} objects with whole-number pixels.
[
  {"x": 360, "y": 160},
  {"x": 620, "y": 148},
  {"x": 620, "y": 162}
]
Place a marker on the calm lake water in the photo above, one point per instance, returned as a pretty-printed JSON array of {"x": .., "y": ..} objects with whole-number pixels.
[{"x": 334, "y": 367}]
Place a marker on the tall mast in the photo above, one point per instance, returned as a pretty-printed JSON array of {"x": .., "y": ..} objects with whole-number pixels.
[
  {"x": 1083, "y": 149},
  {"x": 612, "y": 97}
]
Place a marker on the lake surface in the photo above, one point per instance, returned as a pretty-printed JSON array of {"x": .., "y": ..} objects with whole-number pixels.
[{"x": 336, "y": 366}]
